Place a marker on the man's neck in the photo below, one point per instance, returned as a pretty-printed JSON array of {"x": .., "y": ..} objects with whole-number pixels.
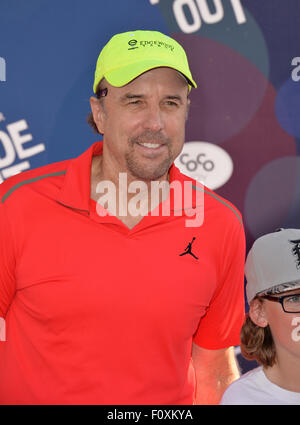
[{"x": 122, "y": 180}]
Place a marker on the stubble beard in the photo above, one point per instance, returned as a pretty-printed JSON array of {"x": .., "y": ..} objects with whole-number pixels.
[{"x": 146, "y": 170}]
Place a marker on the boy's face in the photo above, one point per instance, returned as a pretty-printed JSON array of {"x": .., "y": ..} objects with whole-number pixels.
[{"x": 285, "y": 327}]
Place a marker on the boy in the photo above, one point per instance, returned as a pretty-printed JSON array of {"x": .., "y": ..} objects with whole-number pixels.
[{"x": 271, "y": 332}]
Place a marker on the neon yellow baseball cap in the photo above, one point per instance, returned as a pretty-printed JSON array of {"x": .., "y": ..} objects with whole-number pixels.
[{"x": 130, "y": 54}]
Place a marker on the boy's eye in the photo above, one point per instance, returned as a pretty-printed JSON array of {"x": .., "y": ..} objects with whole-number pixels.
[{"x": 294, "y": 299}]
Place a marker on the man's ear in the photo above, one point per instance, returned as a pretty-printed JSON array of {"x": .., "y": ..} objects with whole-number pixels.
[
  {"x": 257, "y": 313},
  {"x": 98, "y": 112}
]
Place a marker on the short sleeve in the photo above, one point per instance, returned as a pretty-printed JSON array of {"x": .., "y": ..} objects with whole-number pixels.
[
  {"x": 221, "y": 325},
  {"x": 7, "y": 263}
]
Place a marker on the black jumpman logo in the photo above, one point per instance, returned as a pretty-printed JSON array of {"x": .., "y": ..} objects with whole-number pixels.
[
  {"x": 296, "y": 251},
  {"x": 188, "y": 250}
]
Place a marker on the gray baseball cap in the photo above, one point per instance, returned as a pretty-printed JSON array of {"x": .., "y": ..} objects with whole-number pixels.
[{"x": 273, "y": 264}]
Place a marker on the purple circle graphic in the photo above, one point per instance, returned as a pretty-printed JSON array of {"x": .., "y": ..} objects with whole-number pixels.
[
  {"x": 271, "y": 195},
  {"x": 230, "y": 89},
  {"x": 287, "y": 107}
]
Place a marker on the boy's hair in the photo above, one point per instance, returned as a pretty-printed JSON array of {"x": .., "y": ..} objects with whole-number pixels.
[{"x": 257, "y": 343}]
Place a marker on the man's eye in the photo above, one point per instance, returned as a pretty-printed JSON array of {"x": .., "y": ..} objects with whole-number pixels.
[
  {"x": 135, "y": 102},
  {"x": 171, "y": 103}
]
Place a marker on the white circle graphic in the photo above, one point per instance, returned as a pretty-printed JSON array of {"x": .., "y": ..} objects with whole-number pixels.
[{"x": 206, "y": 162}]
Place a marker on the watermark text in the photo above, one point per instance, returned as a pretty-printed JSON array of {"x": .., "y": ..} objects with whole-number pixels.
[
  {"x": 2, "y": 69},
  {"x": 2, "y": 329},
  {"x": 159, "y": 198},
  {"x": 296, "y": 71}
]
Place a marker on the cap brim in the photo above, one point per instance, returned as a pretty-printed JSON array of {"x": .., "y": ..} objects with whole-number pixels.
[
  {"x": 283, "y": 287},
  {"x": 122, "y": 76}
]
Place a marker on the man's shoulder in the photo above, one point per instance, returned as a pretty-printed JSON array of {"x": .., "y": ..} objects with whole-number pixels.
[
  {"x": 213, "y": 201},
  {"x": 13, "y": 184}
]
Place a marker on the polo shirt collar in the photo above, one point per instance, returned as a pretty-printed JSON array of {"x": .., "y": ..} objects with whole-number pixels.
[{"x": 76, "y": 190}]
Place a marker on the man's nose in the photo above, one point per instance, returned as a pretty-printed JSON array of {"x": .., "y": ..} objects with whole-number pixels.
[{"x": 153, "y": 118}]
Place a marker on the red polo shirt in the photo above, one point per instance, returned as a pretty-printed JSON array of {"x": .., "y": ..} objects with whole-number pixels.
[{"x": 97, "y": 313}]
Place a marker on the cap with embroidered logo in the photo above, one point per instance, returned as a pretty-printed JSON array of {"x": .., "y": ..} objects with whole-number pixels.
[
  {"x": 273, "y": 264},
  {"x": 130, "y": 54}
]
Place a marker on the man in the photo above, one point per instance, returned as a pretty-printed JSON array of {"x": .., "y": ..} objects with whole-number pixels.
[{"x": 100, "y": 305}]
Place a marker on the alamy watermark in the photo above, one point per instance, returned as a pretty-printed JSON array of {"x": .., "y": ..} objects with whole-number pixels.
[
  {"x": 296, "y": 332},
  {"x": 2, "y": 69},
  {"x": 2, "y": 329},
  {"x": 158, "y": 198},
  {"x": 296, "y": 71}
]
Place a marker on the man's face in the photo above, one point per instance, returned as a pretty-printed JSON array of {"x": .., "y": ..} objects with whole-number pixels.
[{"x": 144, "y": 123}]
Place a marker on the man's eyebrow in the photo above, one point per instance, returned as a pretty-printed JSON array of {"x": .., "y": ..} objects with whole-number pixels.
[
  {"x": 128, "y": 96},
  {"x": 174, "y": 97}
]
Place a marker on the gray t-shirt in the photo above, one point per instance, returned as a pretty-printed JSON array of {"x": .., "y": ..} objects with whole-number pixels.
[{"x": 255, "y": 388}]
